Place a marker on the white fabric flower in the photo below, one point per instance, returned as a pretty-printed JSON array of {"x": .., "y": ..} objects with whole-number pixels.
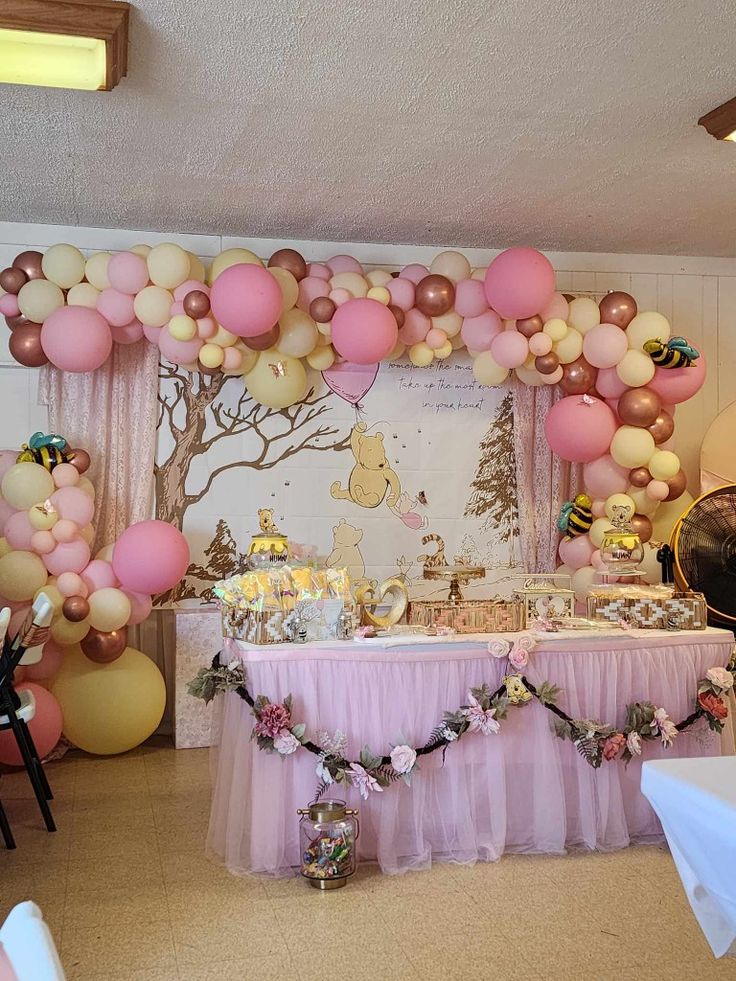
[
  {"x": 721, "y": 678},
  {"x": 286, "y": 743},
  {"x": 403, "y": 758},
  {"x": 499, "y": 648},
  {"x": 448, "y": 734},
  {"x": 633, "y": 743}
]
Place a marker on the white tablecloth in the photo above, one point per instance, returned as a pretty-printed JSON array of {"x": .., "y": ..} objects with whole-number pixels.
[{"x": 695, "y": 800}]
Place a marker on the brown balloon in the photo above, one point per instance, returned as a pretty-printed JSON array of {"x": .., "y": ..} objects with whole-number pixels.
[
  {"x": 399, "y": 315},
  {"x": 263, "y": 341},
  {"x": 19, "y": 321},
  {"x": 80, "y": 460},
  {"x": 530, "y": 326},
  {"x": 642, "y": 526},
  {"x": 196, "y": 304},
  {"x": 75, "y": 608},
  {"x": 662, "y": 427},
  {"x": 639, "y": 407},
  {"x": 30, "y": 263},
  {"x": 291, "y": 260},
  {"x": 547, "y": 364},
  {"x": 12, "y": 279},
  {"x": 639, "y": 477},
  {"x": 677, "y": 485},
  {"x": 434, "y": 295},
  {"x": 322, "y": 309},
  {"x": 102, "y": 648},
  {"x": 25, "y": 346},
  {"x": 618, "y": 308},
  {"x": 578, "y": 377}
]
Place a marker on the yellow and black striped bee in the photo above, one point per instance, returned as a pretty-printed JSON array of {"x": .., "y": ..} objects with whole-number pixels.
[
  {"x": 48, "y": 451},
  {"x": 576, "y": 516},
  {"x": 676, "y": 353}
]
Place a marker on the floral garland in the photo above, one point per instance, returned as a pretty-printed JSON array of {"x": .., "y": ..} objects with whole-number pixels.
[{"x": 275, "y": 729}]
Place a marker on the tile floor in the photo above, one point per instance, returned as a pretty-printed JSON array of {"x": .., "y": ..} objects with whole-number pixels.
[{"x": 129, "y": 896}]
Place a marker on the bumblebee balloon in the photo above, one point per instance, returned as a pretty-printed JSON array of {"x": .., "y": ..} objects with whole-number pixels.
[
  {"x": 576, "y": 516},
  {"x": 48, "y": 451},
  {"x": 676, "y": 353}
]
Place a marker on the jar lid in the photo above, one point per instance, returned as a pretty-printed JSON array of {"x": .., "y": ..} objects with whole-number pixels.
[{"x": 327, "y": 810}]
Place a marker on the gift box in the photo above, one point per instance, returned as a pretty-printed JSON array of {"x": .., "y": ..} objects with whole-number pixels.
[
  {"x": 468, "y": 616},
  {"x": 545, "y": 597},
  {"x": 255, "y": 627},
  {"x": 653, "y": 608}
]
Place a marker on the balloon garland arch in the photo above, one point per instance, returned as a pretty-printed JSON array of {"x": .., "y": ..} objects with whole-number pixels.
[{"x": 620, "y": 370}]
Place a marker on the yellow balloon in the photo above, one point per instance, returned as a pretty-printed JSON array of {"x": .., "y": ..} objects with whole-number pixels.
[
  {"x": 353, "y": 282},
  {"x": 647, "y": 326},
  {"x": 421, "y": 355},
  {"x": 109, "y": 609},
  {"x": 224, "y": 338},
  {"x": 667, "y": 516},
  {"x": 85, "y": 484},
  {"x": 556, "y": 329},
  {"x": 583, "y": 314},
  {"x": 66, "y": 632},
  {"x": 39, "y": 298},
  {"x": 378, "y": 277},
  {"x": 21, "y": 575},
  {"x": 211, "y": 355},
  {"x": 182, "y": 327},
  {"x": 276, "y": 380},
  {"x": 105, "y": 553},
  {"x": 479, "y": 273},
  {"x": 95, "y": 270},
  {"x": 454, "y": 265},
  {"x": 618, "y": 501},
  {"x": 152, "y": 306},
  {"x": 635, "y": 368},
  {"x": 25, "y": 484},
  {"x": 63, "y": 265},
  {"x": 321, "y": 358},
  {"x": 379, "y": 293},
  {"x": 41, "y": 518},
  {"x": 231, "y": 257},
  {"x": 298, "y": 334},
  {"x": 168, "y": 265},
  {"x": 141, "y": 250},
  {"x": 5, "y": 548},
  {"x": 109, "y": 708},
  {"x": 88, "y": 533},
  {"x": 570, "y": 347},
  {"x": 663, "y": 465},
  {"x": 582, "y": 581},
  {"x": 529, "y": 376},
  {"x": 83, "y": 295},
  {"x": 196, "y": 268},
  {"x": 288, "y": 286},
  {"x": 632, "y": 446},
  {"x": 598, "y": 529},
  {"x": 450, "y": 322},
  {"x": 441, "y": 353},
  {"x": 642, "y": 501},
  {"x": 487, "y": 371}
]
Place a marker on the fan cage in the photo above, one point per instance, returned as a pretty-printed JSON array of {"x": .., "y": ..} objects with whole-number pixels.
[{"x": 704, "y": 543}]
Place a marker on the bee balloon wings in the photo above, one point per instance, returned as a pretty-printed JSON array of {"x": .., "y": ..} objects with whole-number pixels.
[{"x": 681, "y": 345}]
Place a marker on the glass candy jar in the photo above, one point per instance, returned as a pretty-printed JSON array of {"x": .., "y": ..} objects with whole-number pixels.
[
  {"x": 621, "y": 549},
  {"x": 328, "y": 832}
]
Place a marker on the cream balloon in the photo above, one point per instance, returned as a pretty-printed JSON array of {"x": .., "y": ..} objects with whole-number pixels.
[
  {"x": 152, "y": 306},
  {"x": 196, "y": 268},
  {"x": 616, "y": 502},
  {"x": 421, "y": 355},
  {"x": 443, "y": 352},
  {"x": 277, "y": 380},
  {"x": 64, "y": 265},
  {"x": 25, "y": 484},
  {"x": 231, "y": 257},
  {"x": 451, "y": 264},
  {"x": 450, "y": 322},
  {"x": 109, "y": 609},
  {"x": 598, "y": 529},
  {"x": 554, "y": 377},
  {"x": 95, "y": 270},
  {"x": 647, "y": 326},
  {"x": 141, "y": 250},
  {"x": 42, "y": 518},
  {"x": 379, "y": 293},
  {"x": 353, "y": 282},
  {"x": 643, "y": 503},
  {"x": 288, "y": 286},
  {"x": 529, "y": 376},
  {"x": 487, "y": 371},
  {"x": 635, "y": 368},
  {"x": 21, "y": 575},
  {"x": 378, "y": 277},
  {"x": 224, "y": 338},
  {"x": 168, "y": 265},
  {"x": 632, "y": 447},
  {"x": 663, "y": 465},
  {"x": 398, "y": 352},
  {"x": 479, "y": 273},
  {"x": 86, "y": 485},
  {"x": 5, "y": 548},
  {"x": 556, "y": 329},
  {"x": 667, "y": 517},
  {"x": 298, "y": 334},
  {"x": 39, "y": 298},
  {"x": 321, "y": 358},
  {"x": 182, "y": 328},
  {"x": 570, "y": 347},
  {"x": 584, "y": 314},
  {"x": 83, "y": 295},
  {"x": 105, "y": 553},
  {"x": 582, "y": 581}
]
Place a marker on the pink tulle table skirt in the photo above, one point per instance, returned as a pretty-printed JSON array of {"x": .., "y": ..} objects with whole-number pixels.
[{"x": 522, "y": 790}]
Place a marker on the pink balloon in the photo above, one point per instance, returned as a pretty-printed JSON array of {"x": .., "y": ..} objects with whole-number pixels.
[
  {"x": 603, "y": 477},
  {"x": 470, "y": 298},
  {"x": 309, "y": 289},
  {"x": 604, "y": 346},
  {"x": 140, "y": 607},
  {"x": 364, "y": 331},
  {"x": 609, "y": 384},
  {"x": 8, "y": 459},
  {"x": 340, "y": 296},
  {"x": 246, "y": 300},
  {"x": 402, "y": 292},
  {"x": 478, "y": 332},
  {"x": 232, "y": 359},
  {"x": 657, "y": 490},
  {"x": 344, "y": 263},
  {"x": 150, "y": 557},
  {"x": 319, "y": 270},
  {"x": 74, "y": 504},
  {"x": 598, "y": 509},
  {"x": 65, "y": 475},
  {"x": 177, "y": 307},
  {"x": 49, "y": 664},
  {"x": 179, "y": 352},
  {"x": 415, "y": 328},
  {"x": 596, "y": 560},
  {"x": 350, "y": 381},
  {"x": 76, "y": 339},
  {"x": 414, "y": 272},
  {"x": 5, "y": 512},
  {"x": 519, "y": 282},
  {"x": 116, "y": 307},
  {"x": 576, "y": 552},
  {"x": 9, "y": 305},
  {"x": 45, "y": 726},
  {"x": 206, "y": 328},
  {"x": 64, "y": 531},
  {"x": 557, "y": 309},
  {"x": 99, "y": 575},
  {"x": 540, "y": 344},
  {"x": 152, "y": 334},
  {"x": 679, "y": 384},
  {"x": 43, "y": 542},
  {"x": 19, "y": 531},
  {"x": 127, "y": 334},
  {"x": 579, "y": 429},
  {"x": 127, "y": 272},
  {"x": 68, "y": 557},
  {"x": 71, "y": 584},
  {"x": 510, "y": 349},
  {"x": 188, "y": 287}
]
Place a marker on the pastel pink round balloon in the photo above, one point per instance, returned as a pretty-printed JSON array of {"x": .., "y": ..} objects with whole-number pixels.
[
  {"x": 246, "y": 300},
  {"x": 436, "y": 338},
  {"x": 320, "y": 270},
  {"x": 540, "y": 344},
  {"x": 340, "y": 296},
  {"x": 609, "y": 384},
  {"x": 68, "y": 557},
  {"x": 557, "y": 309},
  {"x": 232, "y": 359},
  {"x": 8, "y": 459},
  {"x": 415, "y": 328},
  {"x": 605, "y": 345},
  {"x": 179, "y": 352},
  {"x": 603, "y": 477},
  {"x": 65, "y": 475},
  {"x": 71, "y": 584},
  {"x": 74, "y": 504},
  {"x": 206, "y": 328},
  {"x": 188, "y": 286},
  {"x": 50, "y": 662},
  {"x": 152, "y": 334},
  {"x": 45, "y": 726},
  {"x": 43, "y": 542},
  {"x": 657, "y": 490},
  {"x": 478, "y": 332},
  {"x": 176, "y": 308},
  {"x": 9, "y": 305},
  {"x": 578, "y": 430},
  {"x": 510, "y": 349},
  {"x": 116, "y": 307},
  {"x": 470, "y": 298},
  {"x": 309, "y": 289},
  {"x": 363, "y": 331},
  {"x": 598, "y": 508},
  {"x": 140, "y": 606},
  {"x": 414, "y": 272},
  {"x": 519, "y": 282},
  {"x": 677, "y": 385},
  {"x": 596, "y": 559},
  {"x": 127, "y": 272},
  {"x": 127, "y": 334},
  {"x": 19, "y": 531},
  {"x": 76, "y": 339},
  {"x": 344, "y": 263},
  {"x": 576, "y": 552},
  {"x": 402, "y": 292},
  {"x": 150, "y": 557},
  {"x": 65, "y": 530},
  {"x": 99, "y": 575}
]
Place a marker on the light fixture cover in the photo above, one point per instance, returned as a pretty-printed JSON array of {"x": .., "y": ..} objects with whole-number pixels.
[{"x": 721, "y": 122}]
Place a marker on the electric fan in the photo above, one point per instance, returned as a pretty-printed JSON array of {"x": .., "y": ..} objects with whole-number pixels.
[{"x": 704, "y": 542}]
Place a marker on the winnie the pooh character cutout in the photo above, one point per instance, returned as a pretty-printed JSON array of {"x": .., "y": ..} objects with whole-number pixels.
[{"x": 346, "y": 553}]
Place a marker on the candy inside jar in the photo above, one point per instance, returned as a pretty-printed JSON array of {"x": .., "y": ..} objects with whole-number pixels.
[{"x": 328, "y": 832}]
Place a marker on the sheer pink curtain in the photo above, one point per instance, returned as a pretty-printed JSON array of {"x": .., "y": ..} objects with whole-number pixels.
[
  {"x": 112, "y": 413},
  {"x": 543, "y": 480}
]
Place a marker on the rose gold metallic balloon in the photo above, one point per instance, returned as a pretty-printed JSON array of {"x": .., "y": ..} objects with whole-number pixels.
[
  {"x": 639, "y": 407},
  {"x": 322, "y": 309},
  {"x": 530, "y": 326},
  {"x": 291, "y": 260},
  {"x": 12, "y": 279},
  {"x": 547, "y": 364},
  {"x": 662, "y": 427},
  {"x": 578, "y": 377},
  {"x": 263, "y": 341},
  {"x": 102, "y": 648},
  {"x": 642, "y": 526},
  {"x": 30, "y": 263},
  {"x": 399, "y": 315},
  {"x": 434, "y": 295},
  {"x": 19, "y": 321},
  {"x": 75, "y": 608},
  {"x": 25, "y": 346},
  {"x": 677, "y": 485},
  {"x": 618, "y": 308},
  {"x": 196, "y": 304},
  {"x": 80, "y": 460},
  {"x": 639, "y": 477}
]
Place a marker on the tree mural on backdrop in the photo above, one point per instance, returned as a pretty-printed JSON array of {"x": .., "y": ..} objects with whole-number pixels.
[
  {"x": 493, "y": 490},
  {"x": 194, "y": 407}
]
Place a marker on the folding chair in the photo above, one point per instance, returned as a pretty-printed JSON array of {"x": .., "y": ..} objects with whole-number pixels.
[{"x": 5, "y": 829}]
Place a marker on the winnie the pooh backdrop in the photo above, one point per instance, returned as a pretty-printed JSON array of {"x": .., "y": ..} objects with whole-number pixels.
[{"x": 416, "y": 471}]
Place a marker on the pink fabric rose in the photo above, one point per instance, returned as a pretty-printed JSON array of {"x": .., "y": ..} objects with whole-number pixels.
[
  {"x": 721, "y": 678},
  {"x": 403, "y": 758},
  {"x": 274, "y": 719},
  {"x": 613, "y": 745},
  {"x": 286, "y": 743}
]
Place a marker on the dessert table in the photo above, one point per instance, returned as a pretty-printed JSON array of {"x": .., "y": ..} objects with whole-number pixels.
[{"x": 521, "y": 790}]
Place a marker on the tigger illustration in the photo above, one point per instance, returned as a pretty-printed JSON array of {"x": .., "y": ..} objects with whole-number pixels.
[{"x": 436, "y": 559}]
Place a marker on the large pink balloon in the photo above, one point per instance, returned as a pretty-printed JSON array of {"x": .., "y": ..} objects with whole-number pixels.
[
  {"x": 150, "y": 557},
  {"x": 45, "y": 726},
  {"x": 576, "y": 552},
  {"x": 19, "y": 531},
  {"x": 76, "y": 339},
  {"x": 510, "y": 349},
  {"x": 350, "y": 381},
  {"x": 99, "y": 575},
  {"x": 364, "y": 331},
  {"x": 246, "y": 299},
  {"x": 603, "y": 477},
  {"x": 478, "y": 332},
  {"x": 519, "y": 283},
  {"x": 74, "y": 505},
  {"x": 675, "y": 385},
  {"x": 579, "y": 428},
  {"x": 67, "y": 557},
  {"x": 604, "y": 346}
]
